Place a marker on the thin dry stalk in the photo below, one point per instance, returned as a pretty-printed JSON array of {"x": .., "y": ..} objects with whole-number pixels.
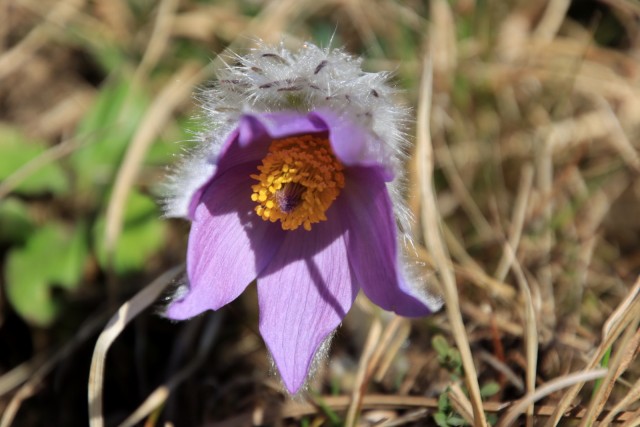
[
  {"x": 632, "y": 396},
  {"x": 392, "y": 349},
  {"x": 615, "y": 325},
  {"x": 483, "y": 318},
  {"x": 21, "y": 373},
  {"x": 443, "y": 46},
  {"x": 617, "y": 317},
  {"x": 407, "y": 418},
  {"x": 503, "y": 368},
  {"x": 633, "y": 421},
  {"x": 29, "y": 388},
  {"x": 125, "y": 314},
  {"x": 581, "y": 130},
  {"x": 362, "y": 376},
  {"x": 544, "y": 175},
  {"x": 14, "y": 58},
  {"x": 552, "y": 19},
  {"x": 517, "y": 221},
  {"x": 624, "y": 345},
  {"x": 509, "y": 260},
  {"x": 161, "y": 393},
  {"x": 157, "y": 116},
  {"x": 361, "y": 15},
  {"x": 480, "y": 223},
  {"x": 551, "y": 387},
  {"x": 273, "y": 20},
  {"x": 531, "y": 331},
  {"x": 387, "y": 336},
  {"x": 435, "y": 244},
  {"x": 472, "y": 269},
  {"x": 619, "y": 139},
  {"x": 159, "y": 38},
  {"x": 460, "y": 402},
  {"x": 293, "y": 409}
]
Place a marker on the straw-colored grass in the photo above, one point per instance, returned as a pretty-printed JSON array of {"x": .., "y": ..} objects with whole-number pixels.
[{"x": 524, "y": 181}]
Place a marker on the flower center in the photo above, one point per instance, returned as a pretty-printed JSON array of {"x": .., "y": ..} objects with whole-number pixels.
[{"x": 299, "y": 179}]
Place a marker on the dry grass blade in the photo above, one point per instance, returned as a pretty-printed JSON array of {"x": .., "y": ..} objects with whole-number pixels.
[
  {"x": 552, "y": 19},
  {"x": 460, "y": 402},
  {"x": 63, "y": 12},
  {"x": 293, "y": 409},
  {"x": 517, "y": 222},
  {"x": 509, "y": 260},
  {"x": 632, "y": 396},
  {"x": 159, "y": 38},
  {"x": 551, "y": 387},
  {"x": 410, "y": 417},
  {"x": 160, "y": 394},
  {"x": 433, "y": 237},
  {"x": 625, "y": 345},
  {"x": 392, "y": 348},
  {"x": 18, "y": 375},
  {"x": 634, "y": 421},
  {"x": 617, "y": 317},
  {"x": 627, "y": 312},
  {"x": 127, "y": 312},
  {"x": 544, "y": 184},
  {"x": 531, "y": 332},
  {"x": 153, "y": 122},
  {"x": 387, "y": 336},
  {"x": 30, "y": 387},
  {"x": 359, "y": 388}
]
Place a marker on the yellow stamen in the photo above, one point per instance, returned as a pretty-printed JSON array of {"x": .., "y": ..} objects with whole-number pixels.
[{"x": 298, "y": 180}]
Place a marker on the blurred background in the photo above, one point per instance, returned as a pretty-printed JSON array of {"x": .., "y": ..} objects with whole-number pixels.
[{"x": 535, "y": 118}]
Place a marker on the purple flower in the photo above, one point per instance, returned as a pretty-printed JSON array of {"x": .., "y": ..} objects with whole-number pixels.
[{"x": 298, "y": 200}]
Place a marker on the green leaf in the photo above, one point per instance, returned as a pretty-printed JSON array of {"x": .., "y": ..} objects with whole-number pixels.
[
  {"x": 455, "y": 420},
  {"x": 143, "y": 234},
  {"x": 106, "y": 130},
  {"x": 53, "y": 256},
  {"x": 443, "y": 403},
  {"x": 455, "y": 359},
  {"x": 28, "y": 291},
  {"x": 440, "y": 419},
  {"x": 15, "y": 223},
  {"x": 16, "y": 150},
  {"x": 440, "y": 345},
  {"x": 164, "y": 150},
  {"x": 489, "y": 389}
]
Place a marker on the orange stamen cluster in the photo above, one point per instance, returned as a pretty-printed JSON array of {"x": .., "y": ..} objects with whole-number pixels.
[{"x": 299, "y": 179}]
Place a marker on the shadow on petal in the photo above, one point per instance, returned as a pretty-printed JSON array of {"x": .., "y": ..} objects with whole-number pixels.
[
  {"x": 304, "y": 294},
  {"x": 228, "y": 245},
  {"x": 372, "y": 243}
]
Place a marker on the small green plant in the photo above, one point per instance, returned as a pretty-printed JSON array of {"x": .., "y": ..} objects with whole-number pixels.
[
  {"x": 49, "y": 248},
  {"x": 449, "y": 358},
  {"x": 446, "y": 415}
]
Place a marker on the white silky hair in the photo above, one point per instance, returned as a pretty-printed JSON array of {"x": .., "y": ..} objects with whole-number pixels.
[{"x": 271, "y": 78}]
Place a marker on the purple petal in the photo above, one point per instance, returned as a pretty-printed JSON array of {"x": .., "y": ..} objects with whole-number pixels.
[
  {"x": 304, "y": 294},
  {"x": 288, "y": 123},
  {"x": 372, "y": 243},
  {"x": 249, "y": 142},
  {"x": 353, "y": 145},
  {"x": 228, "y": 245}
]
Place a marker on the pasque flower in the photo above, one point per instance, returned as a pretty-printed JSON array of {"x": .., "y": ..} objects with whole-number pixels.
[{"x": 292, "y": 185}]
